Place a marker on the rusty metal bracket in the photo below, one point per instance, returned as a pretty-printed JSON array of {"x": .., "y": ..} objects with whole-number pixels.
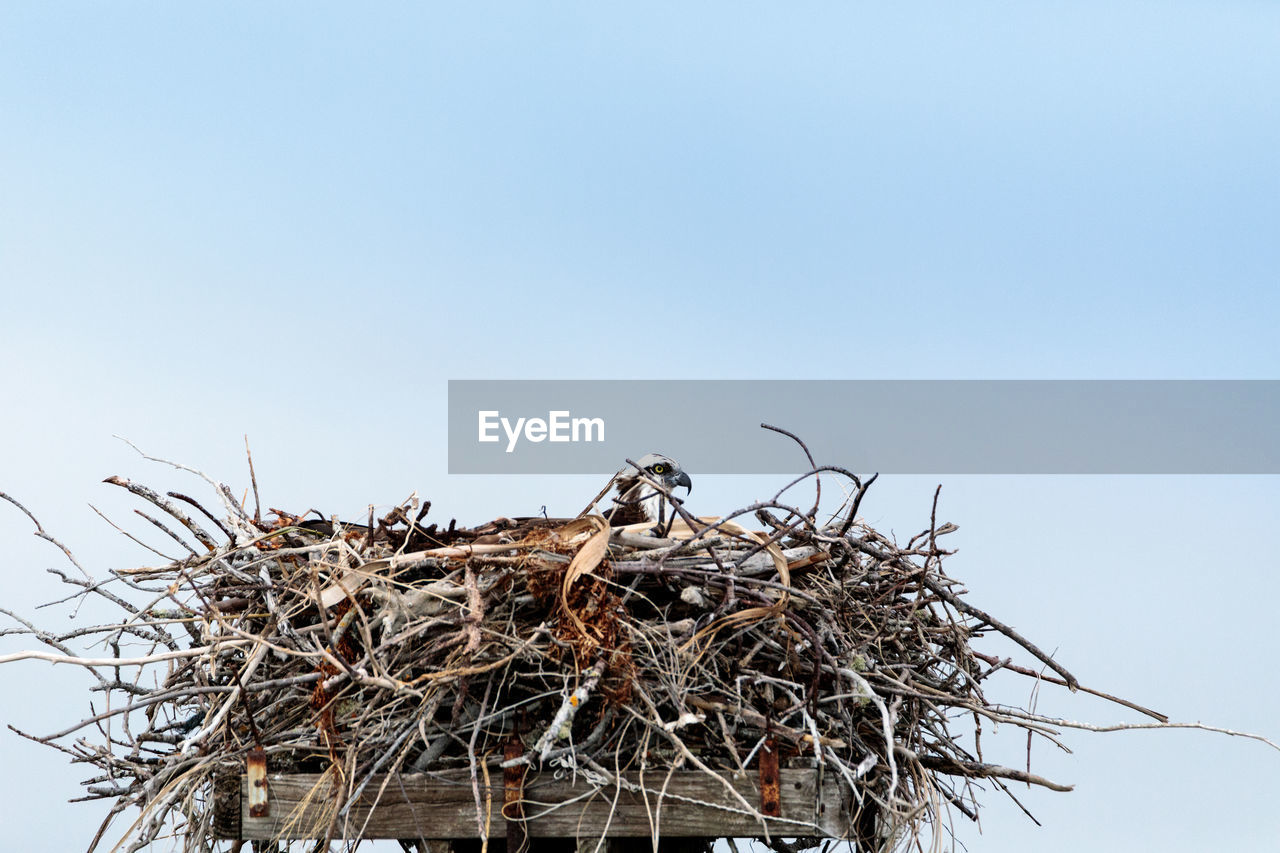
[
  {"x": 256, "y": 768},
  {"x": 770, "y": 788},
  {"x": 513, "y": 798}
]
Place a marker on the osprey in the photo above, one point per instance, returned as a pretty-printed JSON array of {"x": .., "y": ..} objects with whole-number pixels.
[{"x": 638, "y": 501}]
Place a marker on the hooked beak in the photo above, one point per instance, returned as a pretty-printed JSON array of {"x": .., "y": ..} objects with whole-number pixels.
[{"x": 682, "y": 479}]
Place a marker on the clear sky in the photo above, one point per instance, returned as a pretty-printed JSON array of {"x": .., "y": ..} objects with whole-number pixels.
[{"x": 297, "y": 221}]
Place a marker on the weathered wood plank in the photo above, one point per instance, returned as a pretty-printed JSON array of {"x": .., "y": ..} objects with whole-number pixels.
[{"x": 442, "y": 806}]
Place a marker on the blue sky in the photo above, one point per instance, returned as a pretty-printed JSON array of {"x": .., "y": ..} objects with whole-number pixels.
[{"x": 298, "y": 222}]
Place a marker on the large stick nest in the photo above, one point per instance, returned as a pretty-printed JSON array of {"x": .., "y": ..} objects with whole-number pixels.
[{"x": 402, "y": 646}]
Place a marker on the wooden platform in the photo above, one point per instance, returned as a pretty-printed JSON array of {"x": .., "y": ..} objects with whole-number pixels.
[{"x": 443, "y": 806}]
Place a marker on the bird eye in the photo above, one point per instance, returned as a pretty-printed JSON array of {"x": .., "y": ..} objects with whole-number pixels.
[{"x": 659, "y": 469}]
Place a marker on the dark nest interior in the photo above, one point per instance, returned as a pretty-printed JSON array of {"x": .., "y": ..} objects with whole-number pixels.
[{"x": 404, "y": 646}]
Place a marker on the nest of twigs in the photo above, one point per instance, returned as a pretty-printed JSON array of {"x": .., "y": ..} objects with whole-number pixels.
[{"x": 403, "y": 646}]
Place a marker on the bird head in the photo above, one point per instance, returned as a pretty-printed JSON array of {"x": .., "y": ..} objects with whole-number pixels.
[{"x": 663, "y": 469}]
